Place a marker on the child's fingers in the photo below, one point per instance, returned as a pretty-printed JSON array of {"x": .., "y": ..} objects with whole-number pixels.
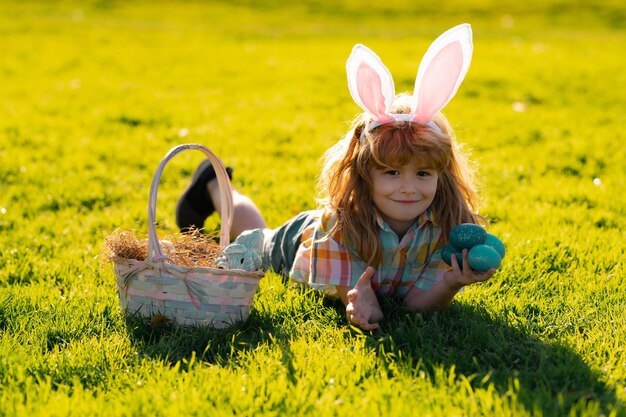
[
  {"x": 364, "y": 324},
  {"x": 359, "y": 320},
  {"x": 466, "y": 267},
  {"x": 366, "y": 277},
  {"x": 350, "y": 311},
  {"x": 485, "y": 275},
  {"x": 470, "y": 276},
  {"x": 369, "y": 326},
  {"x": 455, "y": 264}
]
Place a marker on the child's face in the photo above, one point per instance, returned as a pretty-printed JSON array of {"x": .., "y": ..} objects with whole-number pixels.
[{"x": 402, "y": 193}]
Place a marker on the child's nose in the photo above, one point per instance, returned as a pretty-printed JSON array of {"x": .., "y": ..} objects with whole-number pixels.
[{"x": 408, "y": 184}]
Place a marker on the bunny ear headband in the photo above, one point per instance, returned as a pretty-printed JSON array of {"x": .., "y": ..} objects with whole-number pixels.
[{"x": 438, "y": 78}]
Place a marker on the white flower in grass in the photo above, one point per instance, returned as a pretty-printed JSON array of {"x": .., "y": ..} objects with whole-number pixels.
[{"x": 519, "y": 107}]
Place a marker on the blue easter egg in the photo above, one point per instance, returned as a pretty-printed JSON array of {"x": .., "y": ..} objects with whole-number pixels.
[
  {"x": 467, "y": 235},
  {"x": 447, "y": 252},
  {"x": 482, "y": 258},
  {"x": 496, "y": 243}
]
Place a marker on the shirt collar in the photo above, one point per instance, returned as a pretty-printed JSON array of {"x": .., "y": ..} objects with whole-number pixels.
[{"x": 422, "y": 219}]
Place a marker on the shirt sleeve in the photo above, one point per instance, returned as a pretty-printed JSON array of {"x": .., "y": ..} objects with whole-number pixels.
[
  {"x": 432, "y": 272},
  {"x": 301, "y": 267},
  {"x": 322, "y": 262}
]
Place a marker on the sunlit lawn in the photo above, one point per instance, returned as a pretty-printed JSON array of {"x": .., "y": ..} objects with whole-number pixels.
[{"x": 92, "y": 95}]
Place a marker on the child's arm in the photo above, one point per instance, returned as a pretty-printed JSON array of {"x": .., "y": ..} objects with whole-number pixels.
[
  {"x": 362, "y": 307},
  {"x": 440, "y": 295}
]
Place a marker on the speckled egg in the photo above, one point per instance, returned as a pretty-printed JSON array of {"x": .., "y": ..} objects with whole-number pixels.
[
  {"x": 495, "y": 243},
  {"x": 482, "y": 258},
  {"x": 467, "y": 235},
  {"x": 447, "y": 252}
]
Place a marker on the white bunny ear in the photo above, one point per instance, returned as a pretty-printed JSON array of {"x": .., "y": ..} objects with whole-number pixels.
[
  {"x": 441, "y": 72},
  {"x": 370, "y": 83}
]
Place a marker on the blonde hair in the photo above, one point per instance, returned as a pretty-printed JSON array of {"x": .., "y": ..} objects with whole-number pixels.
[{"x": 345, "y": 181}]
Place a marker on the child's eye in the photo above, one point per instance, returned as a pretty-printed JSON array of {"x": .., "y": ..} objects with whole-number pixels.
[
  {"x": 392, "y": 172},
  {"x": 423, "y": 173}
]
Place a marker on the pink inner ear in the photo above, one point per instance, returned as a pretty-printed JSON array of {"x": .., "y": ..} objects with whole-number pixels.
[
  {"x": 439, "y": 82},
  {"x": 369, "y": 87}
]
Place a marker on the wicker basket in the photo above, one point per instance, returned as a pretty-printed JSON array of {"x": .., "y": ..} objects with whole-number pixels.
[{"x": 188, "y": 295}]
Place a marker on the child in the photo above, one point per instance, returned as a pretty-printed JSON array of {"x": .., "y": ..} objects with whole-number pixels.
[{"x": 393, "y": 188}]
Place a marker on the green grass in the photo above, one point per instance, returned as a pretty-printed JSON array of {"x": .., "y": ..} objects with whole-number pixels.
[{"x": 92, "y": 96}]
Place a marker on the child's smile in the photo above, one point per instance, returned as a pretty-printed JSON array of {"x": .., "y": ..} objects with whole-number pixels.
[{"x": 402, "y": 193}]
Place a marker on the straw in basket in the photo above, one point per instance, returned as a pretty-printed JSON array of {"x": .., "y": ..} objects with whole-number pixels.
[{"x": 188, "y": 295}]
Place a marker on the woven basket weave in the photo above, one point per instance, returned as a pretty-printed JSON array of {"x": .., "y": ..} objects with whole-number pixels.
[{"x": 188, "y": 295}]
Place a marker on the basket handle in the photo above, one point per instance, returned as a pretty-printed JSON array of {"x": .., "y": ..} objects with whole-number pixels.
[{"x": 155, "y": 251}]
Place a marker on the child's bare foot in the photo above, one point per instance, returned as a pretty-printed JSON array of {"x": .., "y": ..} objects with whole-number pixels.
[{"x": 363, "y": 308}]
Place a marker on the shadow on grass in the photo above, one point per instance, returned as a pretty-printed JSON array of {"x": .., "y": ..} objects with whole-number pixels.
[
  {"x": 174, "y": 343},
  {"x": 552, "y": 377},
  {"x": 278, "y": 315}
]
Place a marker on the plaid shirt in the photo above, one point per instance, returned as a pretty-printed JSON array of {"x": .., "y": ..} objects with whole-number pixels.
[{"x": 323, "y": 262}]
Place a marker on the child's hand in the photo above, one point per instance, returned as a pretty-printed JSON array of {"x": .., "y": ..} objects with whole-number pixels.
[
  {"x": 458, "y": 277},
  {"x": 363, "y": 309}
]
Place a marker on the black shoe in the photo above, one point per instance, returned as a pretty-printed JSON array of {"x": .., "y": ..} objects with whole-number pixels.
[{"x": 195, "y": 204}]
